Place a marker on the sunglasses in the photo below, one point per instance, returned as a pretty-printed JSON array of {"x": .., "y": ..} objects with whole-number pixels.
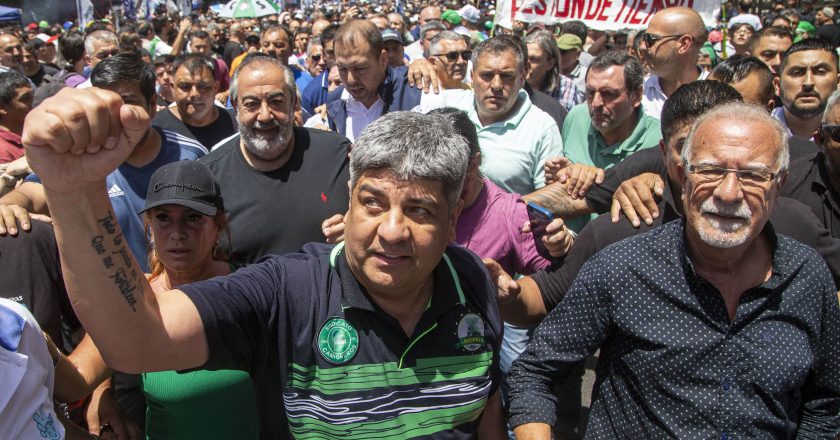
[
  {"x": 651, "y": 39},
  {"x": 315, "y": 58},
  {"x": 453, "y": 56},
  {"x": 832, "y": 130}
]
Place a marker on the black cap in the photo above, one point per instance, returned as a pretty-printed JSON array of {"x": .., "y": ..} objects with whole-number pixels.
[{"x": 186, "y": 183}]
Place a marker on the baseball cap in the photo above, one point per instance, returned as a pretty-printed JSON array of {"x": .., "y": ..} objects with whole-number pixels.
[
  {"x": 470, "y": 14},
  {"x": 31, "y": 26},
  {"x": 569, "y": 41},
  {"x": 43, "y": 24},
  {"x": 451, "y": 16},
  {"x": 749, "y": 19},
  {"x": 391, "y": 35},
  {"x": 67, "y": 25},
  {"x": 187, "y": 183}
]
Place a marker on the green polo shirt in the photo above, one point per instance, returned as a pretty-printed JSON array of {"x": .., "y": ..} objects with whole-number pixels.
[{"x": 584, "y": 144}]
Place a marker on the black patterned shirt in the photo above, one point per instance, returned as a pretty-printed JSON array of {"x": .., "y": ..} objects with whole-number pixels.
[{"x": 673, "y": 364}]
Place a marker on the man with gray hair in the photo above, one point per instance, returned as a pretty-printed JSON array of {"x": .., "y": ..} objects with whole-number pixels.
[
  {"x": 449, "y": 54},
  {"x": 395, "y": 332},
  {"x": 99, "y": 45},
  {"x": 286, "y": 179},
  {"x": 419, "y": 49},
  {"x": 709, "y": 326}
]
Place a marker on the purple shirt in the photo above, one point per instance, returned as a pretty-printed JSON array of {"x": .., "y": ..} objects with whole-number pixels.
[{"x": 491, "y": 227}]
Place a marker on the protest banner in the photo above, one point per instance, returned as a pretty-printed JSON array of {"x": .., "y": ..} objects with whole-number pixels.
[{"x": 597, "y": 14}]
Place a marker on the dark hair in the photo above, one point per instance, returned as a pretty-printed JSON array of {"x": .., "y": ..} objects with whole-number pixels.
[
  {"x": 738, "y": 67},
  {"x": 500, "y": 44},
  {"x": 72, "y": 47},
  {"x": 144, "y": 28},
  {"x": 36, "y": 43},
  {"x": 462, "y": 124},
  {"x": 158, "y": 23},
  {"x": 97, "y": 25},
  {"x": 770, "y": 31},
  {"x": 161, "y": 60},
  {"x": 10, "y": 81},
  {"x": 201, "y": 35},
  {"x": 29, "y": 47},
  {"x": 634, "y": 74},
  {"x": 577, "y": 28},
  {"x": 275, "y": 28},
  {"x": 806, "y": 45},
  {"x": 194, "y": 63},
  {"x": 356, "y": 31},
  {"x": 127, "y": 69},
  {"x": 328, "y": 34},
  {"x": 691, "y": 100}
]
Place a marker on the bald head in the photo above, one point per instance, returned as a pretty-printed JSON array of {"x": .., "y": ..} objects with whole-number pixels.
[
  {"x": 680, "y": 20},
  {"x": 319, "y": 26},
  {"x": 429, "y": 13}
]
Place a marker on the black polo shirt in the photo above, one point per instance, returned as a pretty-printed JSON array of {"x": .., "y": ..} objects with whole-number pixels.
[
  {"x": 327, "y": 362},
  {"x": 809, "y": 182}
]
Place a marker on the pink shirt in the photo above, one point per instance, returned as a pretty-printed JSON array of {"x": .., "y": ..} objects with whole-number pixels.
[{"x": 491, "y": 228}]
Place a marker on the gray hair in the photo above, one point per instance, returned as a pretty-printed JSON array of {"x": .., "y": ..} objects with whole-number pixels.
[
  {"x": 413, "y": 146},
  {"x": 434, "y": 44},
  {"x": 263, "y": 61},
  {"x": 738, "y": 113},
  {"x": 431, "y": 25},
  {"x": 101, "y": 36},
  {"x": 832, "y": 102},
  {"x": 545, "y": 40}
]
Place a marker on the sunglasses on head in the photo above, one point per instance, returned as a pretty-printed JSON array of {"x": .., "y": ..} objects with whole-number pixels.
[
  {"x": 832, "y": 130},
  {"x": 453, "y": 56},
  {"x": 651, "y": 39}
]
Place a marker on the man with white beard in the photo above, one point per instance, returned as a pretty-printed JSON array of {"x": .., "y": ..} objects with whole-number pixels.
[
  {"x": 278, "y": 181},
  {"x": 712, "y": 325}
]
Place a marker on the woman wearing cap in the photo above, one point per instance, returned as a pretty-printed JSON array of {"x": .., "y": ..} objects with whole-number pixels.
[{"x": 184, "y": 218}]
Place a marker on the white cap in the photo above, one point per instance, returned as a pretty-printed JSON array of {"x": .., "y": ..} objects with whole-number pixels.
[{"x": 470, "y": 13}]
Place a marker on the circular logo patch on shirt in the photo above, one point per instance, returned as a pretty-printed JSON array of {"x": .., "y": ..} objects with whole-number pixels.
[
  {"x": 338, "y": 341},
  {"x": 471, "y": 332}
]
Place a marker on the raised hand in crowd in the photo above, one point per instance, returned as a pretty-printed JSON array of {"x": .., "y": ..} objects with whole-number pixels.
[{"x": 422, "y": 74}]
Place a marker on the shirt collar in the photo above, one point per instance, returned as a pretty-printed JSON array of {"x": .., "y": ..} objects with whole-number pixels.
[
  {"x": 522, "y": 106},
  {"x": 782, "y": 257},
  {"x": 634, "y": 142},
  {"x": 447, "y": 287}
]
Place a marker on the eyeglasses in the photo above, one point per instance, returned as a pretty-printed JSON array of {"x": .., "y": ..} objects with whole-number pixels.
[
  {"x": 832, "y": 130},
  {"x": 713, "y": 174},
  {"x": 651, "y": 39},
  {"x": 453, "y": 56}
]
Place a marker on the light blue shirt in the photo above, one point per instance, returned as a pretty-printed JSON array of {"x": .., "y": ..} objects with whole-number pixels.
[{"x": 513, "y": 150}]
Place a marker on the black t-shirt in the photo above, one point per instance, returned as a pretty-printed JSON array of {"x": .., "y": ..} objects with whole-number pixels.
[
  {"x": 829, "y": 33},
  {"x": 547, "y": 104},
  {"x": 232, "y": 50},
  {"x": 809, "y": 182},
  {"x": 43, "y": 70},
  {"x": 277, "y": 212},
  {"x": 30, "y": 274},
  {"x": 223, "y": 127}
]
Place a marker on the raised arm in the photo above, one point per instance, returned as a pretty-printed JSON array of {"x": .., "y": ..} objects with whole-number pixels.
[{"x": 73, "y": 141}]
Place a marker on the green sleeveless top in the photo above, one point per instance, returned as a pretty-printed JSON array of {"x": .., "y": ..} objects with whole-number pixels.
[{"x": 200, "y": 405}]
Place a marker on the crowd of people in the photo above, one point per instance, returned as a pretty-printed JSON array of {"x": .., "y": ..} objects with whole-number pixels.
[{"x": 360, "y": 220}]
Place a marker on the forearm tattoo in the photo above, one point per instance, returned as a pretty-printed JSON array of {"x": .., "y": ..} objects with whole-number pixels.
[{"x": 116, "y": 259}]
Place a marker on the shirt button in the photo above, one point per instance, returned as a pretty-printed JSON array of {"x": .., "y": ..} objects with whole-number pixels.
[{"x": 726, "y": 388}]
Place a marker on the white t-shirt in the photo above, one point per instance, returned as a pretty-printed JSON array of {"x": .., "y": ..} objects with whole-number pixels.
[{"x": 26, "y": 378}]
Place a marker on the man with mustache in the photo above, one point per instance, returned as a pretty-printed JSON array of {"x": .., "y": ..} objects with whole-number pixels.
[
  {"x": 808, "y": 75},
  {"x": 194, "y": 114},
  {"x": 285, "y": 179},
  {"x": 710, "y": 311},
  {"x": 612, "y": 124}
]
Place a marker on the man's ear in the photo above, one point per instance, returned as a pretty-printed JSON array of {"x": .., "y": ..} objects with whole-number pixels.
[
  {"x": 383, "y": 58},
  {"x": 777, "y": 86},
  {"x": 453, "y": 218}
]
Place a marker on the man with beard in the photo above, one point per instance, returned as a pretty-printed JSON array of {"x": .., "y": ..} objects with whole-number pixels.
[
  {"x": 670, "y": 46},
  {"x": 815, "y": 180},
  {"x": 195, "y": 114},
  {"x": 713, "y": 310},
  {"x": 286, "y": 179},
  {"x": 808, "y": 76}
]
